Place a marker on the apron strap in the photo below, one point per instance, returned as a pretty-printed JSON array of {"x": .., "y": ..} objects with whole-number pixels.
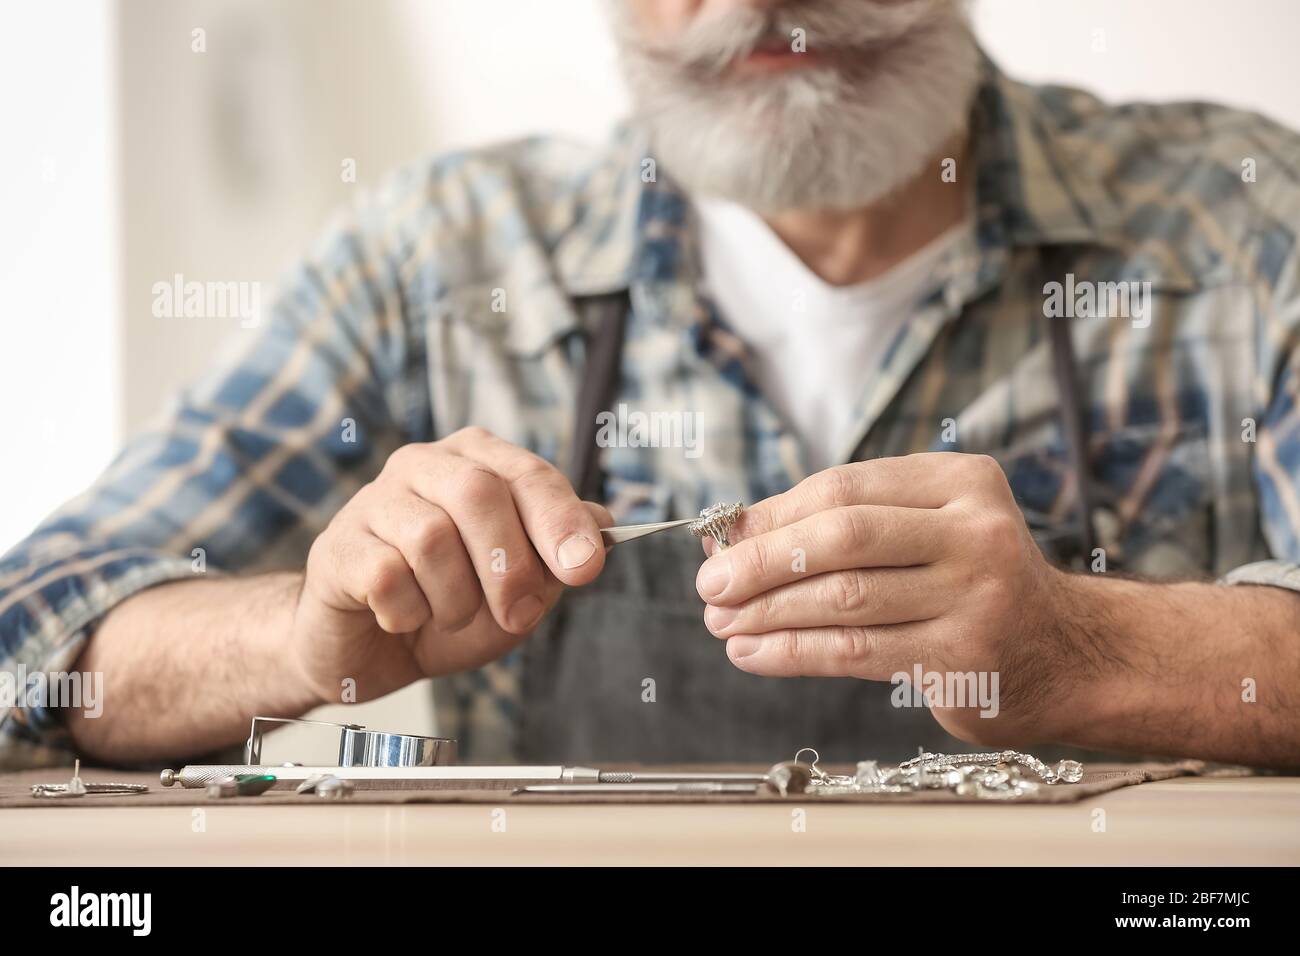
[
  {"x": 605, "y": 319},
  {"x": 1075, "y": 427}
]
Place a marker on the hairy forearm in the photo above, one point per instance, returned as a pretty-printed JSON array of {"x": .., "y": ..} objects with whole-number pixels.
[
  {"x": 1189, "y": 669},
  {"x": 187, "y": 665}
]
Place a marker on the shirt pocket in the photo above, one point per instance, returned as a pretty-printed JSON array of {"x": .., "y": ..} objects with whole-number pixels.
[{"x": 509, "y": 372}]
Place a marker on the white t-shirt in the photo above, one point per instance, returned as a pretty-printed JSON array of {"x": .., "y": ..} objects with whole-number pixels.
[{"x": 813, "y": 344}]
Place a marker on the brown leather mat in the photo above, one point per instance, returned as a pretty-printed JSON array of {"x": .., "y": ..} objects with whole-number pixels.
[{"x": 15, "y": 790}]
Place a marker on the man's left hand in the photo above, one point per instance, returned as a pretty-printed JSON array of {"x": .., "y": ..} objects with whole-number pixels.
[{"x": 869, "y": 569}]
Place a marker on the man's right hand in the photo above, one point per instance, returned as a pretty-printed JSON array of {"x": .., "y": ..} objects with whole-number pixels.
[{"x": 444, "y": 562}]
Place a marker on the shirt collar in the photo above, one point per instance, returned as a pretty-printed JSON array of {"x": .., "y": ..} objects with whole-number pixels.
[
  {"x": 618, "y": 211},
  {"x": 1046, "y": 176},
  {"x": 1030, "y": 188}
]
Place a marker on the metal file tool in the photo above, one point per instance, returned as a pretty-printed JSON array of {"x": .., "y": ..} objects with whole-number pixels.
[
  {"x": 445, "y": 778},
  {"x": 387, "y": 778}
]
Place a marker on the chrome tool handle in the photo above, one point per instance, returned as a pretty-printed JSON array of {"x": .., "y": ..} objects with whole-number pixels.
[{"x": 197, "y": 777}]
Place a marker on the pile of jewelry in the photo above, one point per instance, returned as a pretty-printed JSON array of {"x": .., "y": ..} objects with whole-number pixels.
[
  {"x": 1003, "y": 775},
  {"x": 716, "y": 521}
]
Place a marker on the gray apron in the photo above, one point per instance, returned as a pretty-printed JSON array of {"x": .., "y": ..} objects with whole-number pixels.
[{"x": 625, "y": 670}]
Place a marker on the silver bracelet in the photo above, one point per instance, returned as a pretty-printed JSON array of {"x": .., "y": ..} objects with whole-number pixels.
[{"x": 1001, "y": 775}]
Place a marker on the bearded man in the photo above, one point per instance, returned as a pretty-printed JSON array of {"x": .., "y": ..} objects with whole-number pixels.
[{"x": 1006, "y": 377}]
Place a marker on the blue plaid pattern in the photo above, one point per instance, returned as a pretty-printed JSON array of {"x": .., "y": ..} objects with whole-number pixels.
[{"x": 447, "y": 300}]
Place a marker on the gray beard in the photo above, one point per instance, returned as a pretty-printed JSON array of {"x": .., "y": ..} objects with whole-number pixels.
[{"x": 834, "y": 135}]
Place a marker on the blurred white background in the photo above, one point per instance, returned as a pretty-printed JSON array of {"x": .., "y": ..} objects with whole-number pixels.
[{"x": 130, "y": 156}]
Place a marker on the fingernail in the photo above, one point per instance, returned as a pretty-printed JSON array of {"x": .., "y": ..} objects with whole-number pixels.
[
  {"x": 742, "y": 645},
  {"x": 524, "y": 613},
  {"x": 717, "y": 618},
  {"x": 574, "y": 551},
  {"x": 713, "y": 578}
]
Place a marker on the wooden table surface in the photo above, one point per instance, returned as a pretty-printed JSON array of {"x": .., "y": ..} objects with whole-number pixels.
[{"x": 1198, "y": 821}]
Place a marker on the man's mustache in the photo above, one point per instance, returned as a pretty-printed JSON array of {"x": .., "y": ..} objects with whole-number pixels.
[{"x": 713, "y": 43}]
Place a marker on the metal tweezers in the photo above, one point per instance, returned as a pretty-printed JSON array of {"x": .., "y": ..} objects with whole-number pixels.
[
  {"x": 714, "y": 521},
  {"x": 627, "y": 532}
]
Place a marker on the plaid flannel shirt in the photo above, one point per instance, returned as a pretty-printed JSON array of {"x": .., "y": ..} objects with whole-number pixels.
[{"x": 447, "y": 299}]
